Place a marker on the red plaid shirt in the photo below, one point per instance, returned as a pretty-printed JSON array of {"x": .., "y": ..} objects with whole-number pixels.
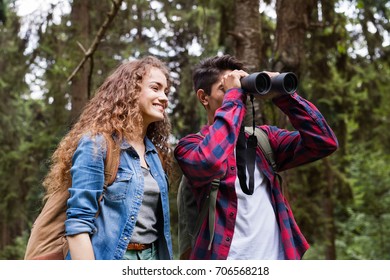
[{"x": 205, "y": 157}]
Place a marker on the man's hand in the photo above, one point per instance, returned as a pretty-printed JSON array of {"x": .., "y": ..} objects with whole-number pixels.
[{"x": 233, "y": 79}]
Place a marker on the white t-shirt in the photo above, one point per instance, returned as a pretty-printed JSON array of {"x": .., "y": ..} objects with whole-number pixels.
[{"x": 256, "y": 232}]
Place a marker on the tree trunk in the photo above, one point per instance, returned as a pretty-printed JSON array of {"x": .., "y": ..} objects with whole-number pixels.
[
  {"x": 79, "y": 89},
  {"x": 292, "y": 24},
  {"x": 247, "y": 35}
]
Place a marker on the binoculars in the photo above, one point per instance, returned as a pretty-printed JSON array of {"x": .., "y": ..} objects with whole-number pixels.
[{"x": 260, "y": 83}]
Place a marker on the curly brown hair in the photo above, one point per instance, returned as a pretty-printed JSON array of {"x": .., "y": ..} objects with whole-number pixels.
[{"x": 113, "y": 110}]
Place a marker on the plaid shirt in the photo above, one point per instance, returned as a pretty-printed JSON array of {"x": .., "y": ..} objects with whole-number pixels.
[{"x": 205, "y": 157}]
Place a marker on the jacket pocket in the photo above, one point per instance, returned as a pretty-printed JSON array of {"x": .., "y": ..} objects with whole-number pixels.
[{"x": 118, "y": 190}]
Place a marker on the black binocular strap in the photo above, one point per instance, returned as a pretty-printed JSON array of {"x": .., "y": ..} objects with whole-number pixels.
[{"x": 246, "y": 156}]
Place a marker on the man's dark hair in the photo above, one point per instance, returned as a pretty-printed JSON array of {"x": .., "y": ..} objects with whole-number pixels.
[{"x": 207, "y": 72}]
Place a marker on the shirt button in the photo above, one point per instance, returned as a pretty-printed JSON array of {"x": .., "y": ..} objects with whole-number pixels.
[
  {"x": 125, "y": 238},
  {"x": 232, "y": 168},
  {"x": 231, "y": 214},
  {"x": 228, "y": 239},
  {"x": 132, "y": 218}
]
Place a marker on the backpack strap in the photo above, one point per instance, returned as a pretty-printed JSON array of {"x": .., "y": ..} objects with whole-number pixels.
[
  {"x": 264, "y": 145},
  {"x": 208, "y": 207},
  {"x": 111, "y": 163},
  {"x": 212, "y": 207}
]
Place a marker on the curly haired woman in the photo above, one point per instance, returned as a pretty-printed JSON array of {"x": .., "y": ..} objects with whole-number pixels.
[{"x": 133, "y": 222}]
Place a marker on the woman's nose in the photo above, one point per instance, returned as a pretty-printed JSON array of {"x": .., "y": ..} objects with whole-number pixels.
[{"x": 163, "y": 97}]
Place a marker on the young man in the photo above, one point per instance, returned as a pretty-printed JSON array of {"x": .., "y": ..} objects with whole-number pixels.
[{"x": 261, "y": 225}]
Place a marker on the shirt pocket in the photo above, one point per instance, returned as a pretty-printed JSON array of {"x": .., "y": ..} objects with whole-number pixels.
[{"x": 118, "y": 190}]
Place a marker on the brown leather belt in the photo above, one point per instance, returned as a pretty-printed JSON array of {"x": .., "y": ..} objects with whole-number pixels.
[{"x": 138, "y": 246}]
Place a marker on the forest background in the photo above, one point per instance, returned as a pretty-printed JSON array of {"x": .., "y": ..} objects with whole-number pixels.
[{"x": 339, "y": 50}]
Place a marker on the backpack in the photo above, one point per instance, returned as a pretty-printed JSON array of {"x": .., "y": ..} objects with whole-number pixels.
[
  {"x": 47, "y": 238},
  {"x": 189, "y": 218}
]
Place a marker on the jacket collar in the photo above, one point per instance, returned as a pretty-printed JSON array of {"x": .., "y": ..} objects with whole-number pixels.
[{"x": 149, "y": 147}]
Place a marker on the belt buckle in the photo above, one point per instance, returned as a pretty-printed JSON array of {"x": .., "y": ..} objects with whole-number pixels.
[{"x": 138, "y": 246}]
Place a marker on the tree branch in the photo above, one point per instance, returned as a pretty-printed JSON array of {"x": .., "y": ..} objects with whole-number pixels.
[{"x": 102, "y": 30}]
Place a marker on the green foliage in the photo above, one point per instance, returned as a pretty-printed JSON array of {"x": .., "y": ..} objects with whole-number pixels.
[
  {"x": 15, "y": 250},
  {"x": 19, "y": 150},
  {"x": 349, "y": 88},
  {"x": 365, "y": 234}
]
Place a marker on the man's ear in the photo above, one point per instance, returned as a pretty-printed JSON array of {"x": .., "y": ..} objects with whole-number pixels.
[{"x": 203, "y": 97}]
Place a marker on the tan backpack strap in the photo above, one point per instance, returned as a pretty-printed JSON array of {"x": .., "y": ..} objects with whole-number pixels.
[
  {"x": 111, "y": 163},
  {"x": 264, "y": 145}
]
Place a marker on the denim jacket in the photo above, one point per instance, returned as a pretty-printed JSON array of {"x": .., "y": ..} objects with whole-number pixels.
[{"x": 112, "y": 229}]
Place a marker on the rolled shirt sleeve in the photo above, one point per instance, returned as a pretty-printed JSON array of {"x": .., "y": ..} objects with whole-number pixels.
[{"x": 87, "y": 185}]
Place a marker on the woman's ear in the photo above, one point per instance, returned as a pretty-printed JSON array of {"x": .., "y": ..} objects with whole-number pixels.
[{"x": 203, "y": 97}]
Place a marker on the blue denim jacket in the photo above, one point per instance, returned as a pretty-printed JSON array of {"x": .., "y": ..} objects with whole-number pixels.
[{"x": 111, "y": 231}]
